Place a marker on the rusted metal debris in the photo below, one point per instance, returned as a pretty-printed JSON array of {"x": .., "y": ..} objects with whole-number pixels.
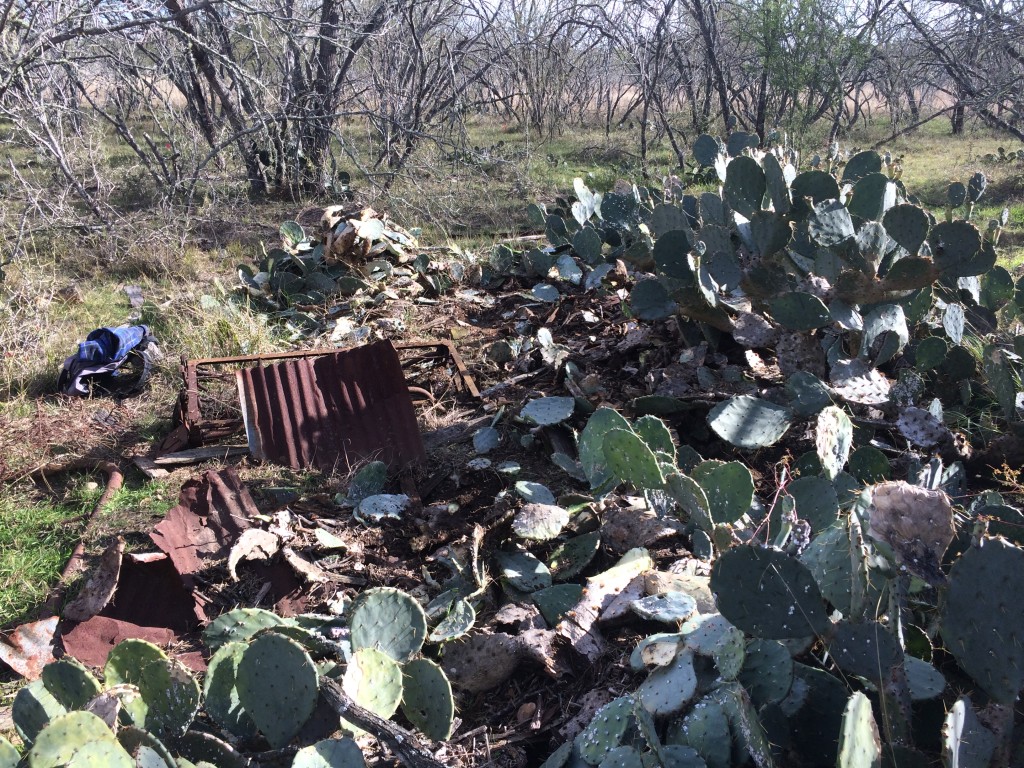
[
  {"x": 29, "y": 648},
  {"x": 211, "y": 514},
  {"x": 91, "y": 642},
  {"x": 331, "y": 411},
  {"x": 209, "y": 407}
]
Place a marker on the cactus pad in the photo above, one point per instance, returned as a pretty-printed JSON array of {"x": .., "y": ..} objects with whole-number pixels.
[
  {"x": 919, "y": 426},
  {"x": 70, "y": 683},
  {"x": 374, "y": 681},
  {"x": 650, "y": 300},
  {"x": 168, "y": 699},
  {"x": 712, "y": 636},
  {"x": 606, "y": 730},
  {"x": 33, "y": 707},
  {"x": 546, "y": 411},
  {"x": 706, "y": 729},
  {"x": 855, "y": 382},
  {"x": 631, "y": 460},
  {"x": 966, "y": 743},
  {"x": 688, "y": 494},
  {"x": 866, "y": 650},
  {"x": 924, "y": 680},
  {"x": 668, "y": 607},
  {"x": 749, "y": 422},
  {"x": 908, "y": 225},
  {"x": 728, "y": 486},
  {"x": 78, "y": 739},
  {"x": 917, "y": 524},
  {"x": 830, "y": 224},
  {"x": 828, "y": 559},
  {"x": 220, "y": 693},
  {"x": 539, "y": 522},
  {"x": 534, "y": 493},
  {"x": 277, "y": 686},
  {"x": 145, "y": 748},
  {"x": 834, "y": 439},
  {"x": 569, "y": 559},
  {"x": 556, "y": 601},
  {"x": 859, "y": 744},
  {"x": 127, "y": 660},
  {"x": 799, "y": 311},
  {"x": 427, "y": 698},
  {"x": 458, "y": 622},
  {"x": 980, "y": 624},
  {"x": 591, "y": 444},
  {"x": 238, "y": 625},
  {"x": 767, "y": 671},
  {"x": 9, "y": 757},
  {"x": 816, "y": 501},
  {"x": 332, "y": 753},
  {"x": 768, "y": 594},
  {"x": 390, "y": 621},
  {"x": 523, "y": 571},
  {"x": 668, "y": 689},
  {"x": 745, "y": 186},
  {"x": 622, "y": 757}
]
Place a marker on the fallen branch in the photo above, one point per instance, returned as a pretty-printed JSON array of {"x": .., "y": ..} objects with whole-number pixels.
[{"x": 403, "y": 743}]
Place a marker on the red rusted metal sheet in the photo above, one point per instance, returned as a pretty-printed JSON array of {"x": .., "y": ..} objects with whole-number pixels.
[
  {"x": 331, "y": 411},
  {"x": 29, "y": 648},
  {"x": 208, "y": 408},
  {"x": 212, "y": 512}
]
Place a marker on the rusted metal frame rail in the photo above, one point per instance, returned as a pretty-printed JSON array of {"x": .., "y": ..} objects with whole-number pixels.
[{"x": 201, "y": 430}]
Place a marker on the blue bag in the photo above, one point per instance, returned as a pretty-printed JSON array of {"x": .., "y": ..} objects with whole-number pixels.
[{"x": 98, "y": 363}]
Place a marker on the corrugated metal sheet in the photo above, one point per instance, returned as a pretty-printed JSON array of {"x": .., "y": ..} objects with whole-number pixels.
[{"x": 331, "y": 411}]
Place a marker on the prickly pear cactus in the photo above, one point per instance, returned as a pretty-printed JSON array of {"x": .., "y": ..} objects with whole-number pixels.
[
  {"x": 390, "y": 621},
  {"x": 332, "y": 753},
  {"x": 427, "y": 698},
  {"x": 539, "y": 522},
  {"x": 547, "y": 411},
  {"x": 631, "y": 460},
  {"x": 591, "y": 444},
  {"x": 706, "y": 729},
  {"x": 78, "y": 739},
  {"x": 606, "y": 730},
  {"x": 768, "y": 594},
  {"x": 33, "y": 707},
  {"x": 979, "y": 625},
  {"x": 145, "y": 748},
  {"x": 966, "y": 743},
  {"x": 767, "y": 672},
  {"x": 569, "y": 559},
  {"x": 728, "y": 486},
  {"x": 220, "y": 692},
  {"x": 374, "y": 681},
  {"x": 278, "y": 686},
  {"x": 9, "y": 757},
  {"x": 70, "y": 683},
  {"x": 859, "y": 744},
  {"x": 916, "y": 523},
  {"x": 834, "y": 439},
  {"x": 168, "y": 697},
  {"x": 749, "y": 422},
  {"x": 238, "y": 626},
  {"x": 668, "y": 689}
]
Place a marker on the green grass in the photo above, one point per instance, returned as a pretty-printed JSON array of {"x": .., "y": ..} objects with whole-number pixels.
[
  {"x": 36, "y": 539},
  {"x": 39, "y": 530}
]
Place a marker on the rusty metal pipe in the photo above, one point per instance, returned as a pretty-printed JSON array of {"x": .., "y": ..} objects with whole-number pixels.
[{"x": 115, "y": 479}]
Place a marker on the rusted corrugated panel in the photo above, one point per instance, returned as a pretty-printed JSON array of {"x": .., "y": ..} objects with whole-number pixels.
[{"x": 331, "y": 411}]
